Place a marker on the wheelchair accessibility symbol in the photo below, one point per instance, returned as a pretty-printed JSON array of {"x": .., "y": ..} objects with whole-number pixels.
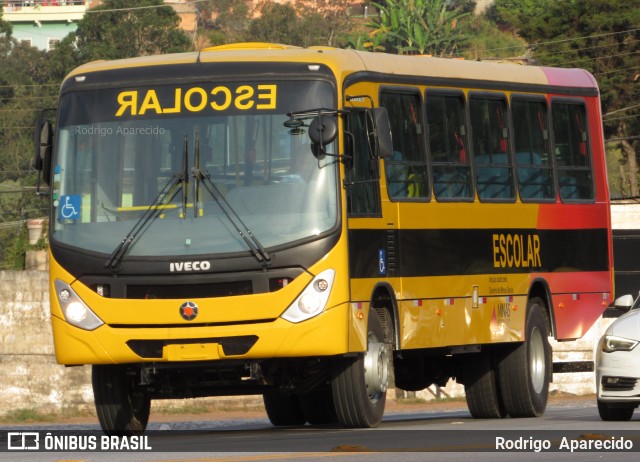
[
  {"x": 69, "y": 207},
  {"x": 382, "y": 262}
]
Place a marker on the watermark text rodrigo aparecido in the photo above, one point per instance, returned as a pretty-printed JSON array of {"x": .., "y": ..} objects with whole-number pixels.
[
  {"x": 587, "y": 442},
  {"x": 108, "y": 130}
]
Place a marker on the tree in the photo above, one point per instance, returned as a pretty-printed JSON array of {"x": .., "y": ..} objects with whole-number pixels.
[
  {"x": 325, "y": 22},
  {"x": 126, "y": 28},
  {"x": 276, "y": 23},
  {"x": 601, "y": 36},
  {"x": 489, "y": 42},
  {"x": 29, "y": 81},
  {"x": 223, "y": 21},
  {"x": 418, "y": 27},
  {"x": 512, "y": 13}
]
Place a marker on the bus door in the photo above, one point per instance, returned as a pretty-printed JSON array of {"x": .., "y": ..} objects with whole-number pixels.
[{"x": 371, "y": 244}]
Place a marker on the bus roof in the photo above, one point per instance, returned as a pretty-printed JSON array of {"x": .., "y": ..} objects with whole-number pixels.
[{"x": 347, "y": 62}]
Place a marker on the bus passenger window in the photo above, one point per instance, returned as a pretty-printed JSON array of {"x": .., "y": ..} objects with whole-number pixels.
[
  {"x": 534, "y": 170},
  {"x": 494, "y": 178},
  {"x": 572, "y": 151},
  {"x": 362, "y": 181},
  {"x": 406, "y": 170},
  {"x": 448, "y": 147}
]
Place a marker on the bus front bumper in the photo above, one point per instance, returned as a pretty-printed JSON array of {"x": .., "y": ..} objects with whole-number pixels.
[{"x": 324, "y": 335}]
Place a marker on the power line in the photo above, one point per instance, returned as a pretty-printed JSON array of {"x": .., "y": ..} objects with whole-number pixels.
[
  {"x": 621, "y": 118},
  {"x": 586, "y": 58},
  {"x": 552, "y": 42},
  {"x": 131, "y": 8},
  {"x": 627, "y": 138},
  {"x": 616, "y": 71},
  {"x": 621, "y": 110},
  {"x": 592, "y": 47}
]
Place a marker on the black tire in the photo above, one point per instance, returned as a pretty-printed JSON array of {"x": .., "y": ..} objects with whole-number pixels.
[
  {"x": 122, "y": 406},
  {"x": 283, "y": 410},
  {"x": 524, "y": 371},
  {"x": 481, "y": 387},
  {"x": 360, "y": 384},
  {"x": 318, "y": 407},
  {"x": 611, "y": 412}
]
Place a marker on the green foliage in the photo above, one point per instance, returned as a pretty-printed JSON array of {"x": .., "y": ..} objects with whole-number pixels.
[
  {"x": 125, "y": 29},
  {"x": 276, "y": 23},
  {"x": 15, "y": 253},
  {"x": 23, "y": 415},
  {"x": 602, "y": 37},
  {"x": 326, "y": 22},
  {"x": 303, "y": 23},
  {"x": 489, "y": 42},
  {"x": 223, "y": 21},
  {"x": 418, "y": 27},
  {"x": 513, "y": 13}
]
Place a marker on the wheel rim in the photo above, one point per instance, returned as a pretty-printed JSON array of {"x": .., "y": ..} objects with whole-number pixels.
[
  {"x": 376, "y": 365},
  {"x": 537, "y": 360}
]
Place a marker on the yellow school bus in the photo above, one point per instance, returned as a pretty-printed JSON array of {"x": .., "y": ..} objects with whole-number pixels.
[{"x": 312, "y": 225}]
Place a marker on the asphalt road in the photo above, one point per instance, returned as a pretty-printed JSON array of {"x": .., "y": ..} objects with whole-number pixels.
[{"x": 569, "y": 430}]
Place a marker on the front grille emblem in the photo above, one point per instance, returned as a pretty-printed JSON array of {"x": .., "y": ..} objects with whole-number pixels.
[{"x": 188, "y": 311}]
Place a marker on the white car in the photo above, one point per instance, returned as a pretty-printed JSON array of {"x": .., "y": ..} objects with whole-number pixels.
[{"x": 618, "y": 363}]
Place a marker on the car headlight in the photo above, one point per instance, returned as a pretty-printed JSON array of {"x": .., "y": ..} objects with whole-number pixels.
[
  {"x": 313, "y": 298},
  {"x": 75, "y": 311},
  {"x": 612, "y": 343}
]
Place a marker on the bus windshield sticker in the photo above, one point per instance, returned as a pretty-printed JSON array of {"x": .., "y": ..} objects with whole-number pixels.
[{"x": 69, "y": 207}]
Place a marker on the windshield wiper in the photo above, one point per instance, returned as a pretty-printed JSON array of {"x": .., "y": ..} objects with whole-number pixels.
[
  {"x": 257, "y": 249},
  {"x": 177, "y": 182}
]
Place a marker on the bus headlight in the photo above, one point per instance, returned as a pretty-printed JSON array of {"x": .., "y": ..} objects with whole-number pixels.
[
  {"x": 74, "y": 309},
  {"x": 313, "y": 298}
]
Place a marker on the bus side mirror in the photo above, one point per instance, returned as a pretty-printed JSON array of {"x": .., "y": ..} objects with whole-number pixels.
[
  {"x": 44, "y": 149},
  {"x": 322, "y": 131},
  {"x": 380, "y": 142}
]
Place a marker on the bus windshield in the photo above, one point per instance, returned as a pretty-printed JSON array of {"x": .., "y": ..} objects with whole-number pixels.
[{"x": 194, "y": 166}]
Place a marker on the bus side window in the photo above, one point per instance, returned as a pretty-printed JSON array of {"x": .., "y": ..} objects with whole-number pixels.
[
  {"x": 534, "y": 170},
  {"x": 572, "y": 151},
  {"x": 494, "y": 177},
  {"x": 362, "y": 181},
  {"x": 406, "y": 170},
  {"x": 449, "y": 147}
]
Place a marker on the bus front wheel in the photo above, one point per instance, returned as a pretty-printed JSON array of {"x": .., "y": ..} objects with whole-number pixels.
[
  {"x": 122, "y": 406},
  {"x": 360, "y": 384},
  {"x": 525, "y": 369},
  {"x": 283, "y": 409}
]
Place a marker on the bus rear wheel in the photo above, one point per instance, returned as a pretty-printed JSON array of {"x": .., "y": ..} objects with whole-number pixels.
[
  {"x": 481, "y": 387},
  {"x": 360, "y": 384},
  {"x": 122, "y": 406},
  {"x": 525, "y": 370}
]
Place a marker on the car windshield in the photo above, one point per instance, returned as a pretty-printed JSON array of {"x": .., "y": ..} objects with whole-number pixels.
[{"x": 207, "y": 162}]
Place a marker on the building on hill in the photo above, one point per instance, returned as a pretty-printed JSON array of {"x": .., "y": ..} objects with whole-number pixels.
[{"x": 44, "y": 23}]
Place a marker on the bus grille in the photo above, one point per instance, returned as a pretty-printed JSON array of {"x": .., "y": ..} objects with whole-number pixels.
[
  {"x": 204, "y": 290},
  {"x": 232, "y": 346}
]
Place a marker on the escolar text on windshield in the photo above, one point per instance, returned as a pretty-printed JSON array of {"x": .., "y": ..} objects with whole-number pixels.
[{"x": 197, "y": 99}]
